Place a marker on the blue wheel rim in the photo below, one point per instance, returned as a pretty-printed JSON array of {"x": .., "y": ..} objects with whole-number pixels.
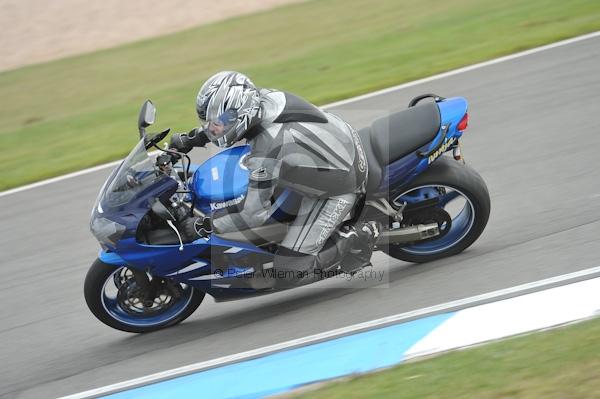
[
  {"x": 113, "y": 308},
  {"x": 463, "y": 217}
]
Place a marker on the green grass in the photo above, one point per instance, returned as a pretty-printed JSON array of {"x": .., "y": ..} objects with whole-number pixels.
[
  {"x": 81, "y": 111},
  {"x": 561, "y": 363}
]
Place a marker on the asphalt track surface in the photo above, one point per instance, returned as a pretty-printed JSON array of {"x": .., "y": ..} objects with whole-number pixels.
[{"x": 533, "y": 136}]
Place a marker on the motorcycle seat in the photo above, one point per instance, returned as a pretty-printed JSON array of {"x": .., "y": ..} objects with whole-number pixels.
[{"x": 398, "y": 134}]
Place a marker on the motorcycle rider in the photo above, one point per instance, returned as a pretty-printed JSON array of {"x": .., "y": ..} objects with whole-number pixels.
[{"x": 297, "y": 146}]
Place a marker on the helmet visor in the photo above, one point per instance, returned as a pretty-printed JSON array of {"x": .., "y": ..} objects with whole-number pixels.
[{"x": 221, "y": 126}]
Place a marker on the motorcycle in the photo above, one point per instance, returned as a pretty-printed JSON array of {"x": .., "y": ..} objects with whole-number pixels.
[{"x": 150, "y": 274}]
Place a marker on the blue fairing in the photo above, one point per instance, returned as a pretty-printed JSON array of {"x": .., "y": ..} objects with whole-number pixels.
[
  {"x": 403, "y": 171},
  {"x": 111, "y": 258},
  {"x": 159, "y": 259},
  {"x": 221, "y": 178},
  {"x": 452, "y": 110},
  {"x": 166, "y": 259}
]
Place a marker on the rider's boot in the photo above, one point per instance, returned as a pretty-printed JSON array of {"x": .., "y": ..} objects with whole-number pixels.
[{"x": 362, "y": 238}]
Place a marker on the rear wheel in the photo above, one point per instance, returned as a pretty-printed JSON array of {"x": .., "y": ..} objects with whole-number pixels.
[
  {"x": 454, "y": 196},
  {"x": 116, "y": 299}
]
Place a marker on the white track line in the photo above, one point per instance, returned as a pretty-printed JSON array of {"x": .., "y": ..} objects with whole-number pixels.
[
  {"x": 468, "y": 68},
  {"x": 466, "y": 302},
  {"x": 59, "y": 178},
  {"x": 347, "y": 101}
]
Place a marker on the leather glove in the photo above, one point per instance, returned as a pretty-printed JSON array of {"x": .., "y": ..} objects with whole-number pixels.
[{"x": 184, "y": 142}]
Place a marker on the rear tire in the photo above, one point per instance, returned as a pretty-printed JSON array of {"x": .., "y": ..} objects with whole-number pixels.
[
  {"x": 110, "y": 312},
  {"x": 465, "y": 180}
]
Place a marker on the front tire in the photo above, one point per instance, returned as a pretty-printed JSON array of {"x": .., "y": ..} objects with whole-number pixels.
[
  {"x": 110, "y": 293},
  {"x": 462, "y": 181}
]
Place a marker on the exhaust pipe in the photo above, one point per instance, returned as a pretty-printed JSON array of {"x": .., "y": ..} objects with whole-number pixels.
[{"x": 408, "y": 234}]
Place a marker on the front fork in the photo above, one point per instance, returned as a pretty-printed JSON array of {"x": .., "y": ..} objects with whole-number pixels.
[{"x": 149, "y": 288}]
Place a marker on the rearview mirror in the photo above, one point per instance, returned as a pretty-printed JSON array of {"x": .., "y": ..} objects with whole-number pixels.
[{"x": 146, "y": 118}]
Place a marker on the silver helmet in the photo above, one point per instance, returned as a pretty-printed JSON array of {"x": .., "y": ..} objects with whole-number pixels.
[{"x": 226, "y": 104}]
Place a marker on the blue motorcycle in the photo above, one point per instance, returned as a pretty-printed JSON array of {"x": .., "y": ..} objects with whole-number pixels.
[{"x": 150, "y": 274}]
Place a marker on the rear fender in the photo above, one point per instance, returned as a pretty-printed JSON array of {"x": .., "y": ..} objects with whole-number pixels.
[{"x": 452, "y": 110}]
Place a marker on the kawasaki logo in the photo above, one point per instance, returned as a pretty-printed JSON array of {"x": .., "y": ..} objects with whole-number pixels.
[{"x": 220, "y": 205}]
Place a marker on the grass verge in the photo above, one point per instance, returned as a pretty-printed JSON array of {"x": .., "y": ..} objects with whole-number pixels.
[
  {"x": 81, "y": 111},
  {"x": 560, "y": 363}
]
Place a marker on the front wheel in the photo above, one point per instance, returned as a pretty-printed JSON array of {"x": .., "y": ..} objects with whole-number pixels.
[
  {"x": 115, "y": 298},
  {"x": 454, "y": 196}
]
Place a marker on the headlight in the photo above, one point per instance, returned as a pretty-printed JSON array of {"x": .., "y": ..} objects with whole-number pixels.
[{"x": 106, "y": 231}]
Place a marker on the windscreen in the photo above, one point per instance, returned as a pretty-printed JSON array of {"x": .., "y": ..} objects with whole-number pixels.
[{"x": 135, "y": 174}]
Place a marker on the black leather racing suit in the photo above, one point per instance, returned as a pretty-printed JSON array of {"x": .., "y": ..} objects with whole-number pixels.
[{"x": 297, "y": 146}]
